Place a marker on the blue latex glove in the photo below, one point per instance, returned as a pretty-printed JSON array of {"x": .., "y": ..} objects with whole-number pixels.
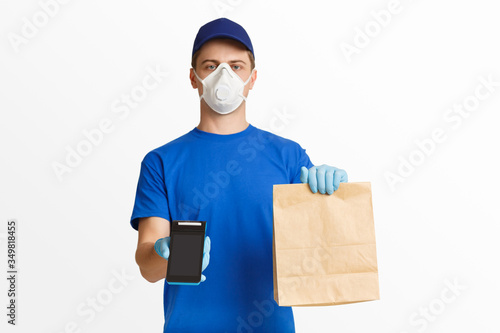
[
  {"x": 162, "y": 247},
  {"x": 323, "y": 178}
]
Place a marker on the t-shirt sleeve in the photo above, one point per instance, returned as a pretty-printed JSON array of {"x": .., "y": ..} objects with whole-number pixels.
[
  {"x": 151, "y": 195},
  {"x": 302, "y": 160}
]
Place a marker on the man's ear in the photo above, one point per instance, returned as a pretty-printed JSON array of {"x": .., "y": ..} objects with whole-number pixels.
[
  {"x": 252, "y": 80},
  {"x": 192, "y": 77}
]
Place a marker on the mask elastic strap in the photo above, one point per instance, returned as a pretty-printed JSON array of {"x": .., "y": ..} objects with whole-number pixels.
[
  {"x": 246, "y": 82},
  {"x": 194, "y": 71}
]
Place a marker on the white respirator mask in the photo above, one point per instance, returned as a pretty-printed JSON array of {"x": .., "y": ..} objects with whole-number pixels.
[{"x": 223, "y": 89}]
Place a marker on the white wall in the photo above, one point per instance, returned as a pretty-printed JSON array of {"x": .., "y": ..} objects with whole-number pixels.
[{"x": 436, "y": 225}]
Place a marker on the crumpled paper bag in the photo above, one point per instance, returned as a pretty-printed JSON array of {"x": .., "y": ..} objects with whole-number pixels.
[{"x": 324, "y": 245}]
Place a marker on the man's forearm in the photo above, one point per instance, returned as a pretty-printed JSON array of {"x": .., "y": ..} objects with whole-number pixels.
[{"x": 153, "y": 267}]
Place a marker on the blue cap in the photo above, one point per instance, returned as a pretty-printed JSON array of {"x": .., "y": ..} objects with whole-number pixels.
[{"x": 222, "y": 28}]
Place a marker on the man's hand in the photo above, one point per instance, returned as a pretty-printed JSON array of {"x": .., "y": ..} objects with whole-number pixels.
[
  {"x": 162, "y": 247},
  {"x": 324, "y": 178}
]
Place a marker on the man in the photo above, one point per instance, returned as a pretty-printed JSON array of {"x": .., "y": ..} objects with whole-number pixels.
[{"x": 221, "y": 172}]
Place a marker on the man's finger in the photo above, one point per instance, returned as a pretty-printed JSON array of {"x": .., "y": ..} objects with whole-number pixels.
[
  {"x": 321, "y": 176},
  {"x": 206, "y": 261},
  {"x": 313, "y": 182},
  {"x": 208, "y": 245},
  {"x": 343, "y": 178},
  {"x": 162, "y": 247},
  {"x": 304, "y": 175},
  {"x": 336, "y": 179},
  {"x": 329, "y": 181}
]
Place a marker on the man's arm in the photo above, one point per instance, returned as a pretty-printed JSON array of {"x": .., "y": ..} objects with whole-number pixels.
[{"x": 153, "y": 267}]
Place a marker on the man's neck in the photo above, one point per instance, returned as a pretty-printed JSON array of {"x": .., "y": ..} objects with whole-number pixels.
[{"x": 212, "y": 122}]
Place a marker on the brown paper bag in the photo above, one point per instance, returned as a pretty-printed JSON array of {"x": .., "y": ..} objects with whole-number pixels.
[{"x": 324, "y": 245}]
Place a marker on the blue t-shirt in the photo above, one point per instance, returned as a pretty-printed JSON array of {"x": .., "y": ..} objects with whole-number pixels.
[{"x": 227, "y": 181}]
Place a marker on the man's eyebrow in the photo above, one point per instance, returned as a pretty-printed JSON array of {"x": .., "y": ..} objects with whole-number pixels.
[{"x": 209, "y": 60}]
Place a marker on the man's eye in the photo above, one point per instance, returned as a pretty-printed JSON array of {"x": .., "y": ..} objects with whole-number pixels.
[
  {"x": 212, "y": 67},
  {"x": 236, "y": 67}
]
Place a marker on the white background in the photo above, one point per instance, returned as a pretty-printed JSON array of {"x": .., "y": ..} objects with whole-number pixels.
[{"x": 438, "y": 225}]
